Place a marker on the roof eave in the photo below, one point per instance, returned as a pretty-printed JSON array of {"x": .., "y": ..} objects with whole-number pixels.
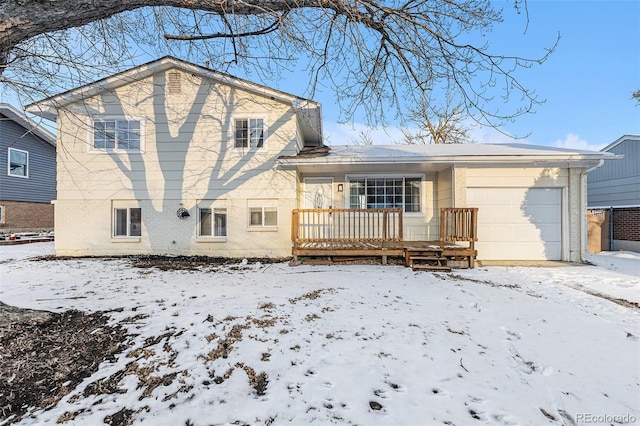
[
  {"x": 575, "y": 160},
  {"x": 27, "y": 123},
  {"x": 47, "y": 108}
]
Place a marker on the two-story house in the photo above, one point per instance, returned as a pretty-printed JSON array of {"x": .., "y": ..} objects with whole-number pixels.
[{"x": 174, "y": 158}]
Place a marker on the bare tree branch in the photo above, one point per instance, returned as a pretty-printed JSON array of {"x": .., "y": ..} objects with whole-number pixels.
[{"x": 378, "y": 56}]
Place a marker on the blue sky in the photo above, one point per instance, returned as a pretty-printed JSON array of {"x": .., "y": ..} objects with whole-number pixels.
[{"x": 587, "y": 82}]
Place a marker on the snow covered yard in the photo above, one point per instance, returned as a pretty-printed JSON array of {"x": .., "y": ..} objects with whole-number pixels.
[{"x": 354, "y": 344}]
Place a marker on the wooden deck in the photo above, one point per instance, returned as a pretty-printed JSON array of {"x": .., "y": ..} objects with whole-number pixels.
[{"x": 378, "y": 232}]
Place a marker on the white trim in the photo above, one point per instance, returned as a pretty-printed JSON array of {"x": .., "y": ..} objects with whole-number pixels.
[
  {"x": 115, "y": 206},
  {"x": 249, "y": 117},
  {"x": 565, "y": 234},
  {"x": 618, "y": 141},
  {"x": 28, "y": 124},
  {"x": 91, "y": 149},
  {"x": 26, "y": 176},
  {"x": 211, "y": 204},
  {"x": 2, "y": 213},
  {"x": 421, "y": 176},
  {"x": 47, "y": 108},
  {"x": 262, "y": 227}
]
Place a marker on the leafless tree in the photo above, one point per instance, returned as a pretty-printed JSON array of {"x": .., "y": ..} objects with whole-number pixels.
[
  {"x": 437, "y": 123},
  {"x": 376, "y": 55},
  {"x": 636, "y": 97},
  {"x": 364, "y": 138}
]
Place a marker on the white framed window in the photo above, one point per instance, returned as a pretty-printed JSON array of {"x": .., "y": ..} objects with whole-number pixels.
[
  {"x": 212, "y": 222},
  {"x": 1, "y": 214},
  {"x": 371, "y": 192},
  {"x": 117, "y": 134},
  {"x": 18, "y": 163},
  {"x": 263, "y": 216},
  {"x": 249, "y": 133},
  {"x": 127, "y": 222}
]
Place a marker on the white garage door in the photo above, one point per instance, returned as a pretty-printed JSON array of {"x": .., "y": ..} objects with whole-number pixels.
[{"x": 518, "y": 223}]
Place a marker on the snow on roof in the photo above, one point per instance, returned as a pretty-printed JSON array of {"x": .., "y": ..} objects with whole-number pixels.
[{"x": 472, "y": 153}]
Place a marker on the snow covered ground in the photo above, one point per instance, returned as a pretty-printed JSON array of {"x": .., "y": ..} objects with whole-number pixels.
[{"x": 352, "y": 344}]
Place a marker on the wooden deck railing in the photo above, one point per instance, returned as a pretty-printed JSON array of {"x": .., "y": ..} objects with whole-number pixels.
[
  {"x": 459, "y": 224},
  {"x": 346, "y": 225}
]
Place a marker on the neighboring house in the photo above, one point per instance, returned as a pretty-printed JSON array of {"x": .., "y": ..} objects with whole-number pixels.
[
  {"x": 174, "y": 158},
  {"x": 614, "y": 198},
  {"x": 27, "y": 173}
]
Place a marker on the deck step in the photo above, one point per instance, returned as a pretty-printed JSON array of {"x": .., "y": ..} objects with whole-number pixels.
[
  {"x": 431, "y": 268},
  {"x": 438, "y": 258}
]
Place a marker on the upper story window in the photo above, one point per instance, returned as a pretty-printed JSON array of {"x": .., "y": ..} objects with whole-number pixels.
[
  {"x": 116, "y": 134},
  {"x": 375, "y": 193},
  {"x": 249, "y": 133},
  {"x": 18, "y": 163}
]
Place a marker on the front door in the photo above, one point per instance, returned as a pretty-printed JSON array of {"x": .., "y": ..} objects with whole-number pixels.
[{"x": 318, "y": 194}]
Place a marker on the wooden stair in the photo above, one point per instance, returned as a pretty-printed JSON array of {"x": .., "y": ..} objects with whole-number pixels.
[{"x": 426, "y": 259}]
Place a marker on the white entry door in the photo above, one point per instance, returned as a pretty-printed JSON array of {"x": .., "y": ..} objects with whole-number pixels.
[
  {"x": 518, "y": 223},
  {"x": 318, "y": 193}
]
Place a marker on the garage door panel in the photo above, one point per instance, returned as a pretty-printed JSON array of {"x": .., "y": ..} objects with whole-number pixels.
[
  {"x": 518, "y": 223},
  {"x": 543, "y": 196}
]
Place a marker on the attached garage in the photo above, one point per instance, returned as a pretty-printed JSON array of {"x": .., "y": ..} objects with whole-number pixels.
[{"x": 518, "y": 223}]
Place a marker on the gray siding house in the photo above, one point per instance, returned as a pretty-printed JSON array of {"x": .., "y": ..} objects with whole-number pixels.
[
  {"x": 613, "y": 198},
  {"x": 27, "y": 173}
]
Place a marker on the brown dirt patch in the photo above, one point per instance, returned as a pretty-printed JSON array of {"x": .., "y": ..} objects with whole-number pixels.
[{"x": 45, "y": 355}]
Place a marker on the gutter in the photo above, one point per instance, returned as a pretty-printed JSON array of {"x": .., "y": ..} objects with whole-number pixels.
[
  {"x": 448, "y": 159},
  {"x": 583, "y": 219}
]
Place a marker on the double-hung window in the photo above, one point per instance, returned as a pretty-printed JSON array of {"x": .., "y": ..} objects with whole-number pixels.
[
  {"x": 18, "y": 163},
  {"x": 127, "y": 222},
  {"x": 385, "y": 192},
  {"x": 212, "y": 222},
  {"x": 116, "y": 134},
  {"x": 249, "y": 133}
]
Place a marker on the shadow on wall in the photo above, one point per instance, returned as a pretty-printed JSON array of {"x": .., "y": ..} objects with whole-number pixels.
[
  {"x": 176, "y": 124},
  {"x": 542, "y": 206}
]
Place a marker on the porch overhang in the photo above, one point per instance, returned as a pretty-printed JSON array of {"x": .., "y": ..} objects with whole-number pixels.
[{"x": 437, "y": 157}]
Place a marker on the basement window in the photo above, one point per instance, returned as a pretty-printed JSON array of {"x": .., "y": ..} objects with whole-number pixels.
[
  {"x": 127, "y": 222},
  {"x": 213, "y": 222}
]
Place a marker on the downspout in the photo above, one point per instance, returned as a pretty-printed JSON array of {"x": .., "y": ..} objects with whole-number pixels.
[
  {"x": 611, "y": 228},
  {"x": 583, "y": 221}
]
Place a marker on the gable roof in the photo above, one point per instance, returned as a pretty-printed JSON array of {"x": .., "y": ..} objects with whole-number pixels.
[
  {"x": 308, "y": 111},
  {"x": 635, "y": 138},
  {"x": 468, "y": 154},
  {"x": 28, "y": 124}
]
